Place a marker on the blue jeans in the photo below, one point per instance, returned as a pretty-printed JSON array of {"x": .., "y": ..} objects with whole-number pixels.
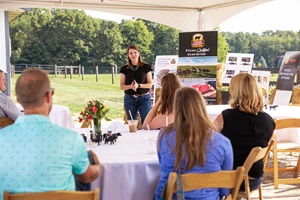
[
  {"x": 254, "y": 184},
  {"x": 141, "y": 104}
]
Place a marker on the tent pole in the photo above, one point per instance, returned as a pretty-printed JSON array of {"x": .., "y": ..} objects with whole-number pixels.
[{"x": 200, "y": 20}]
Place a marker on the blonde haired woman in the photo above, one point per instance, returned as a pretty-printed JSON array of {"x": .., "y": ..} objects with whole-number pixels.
[
  {"x": 245, "y": 124},
  {"x": 161, "y": 114},
  {"x": 190, "y": 145}
]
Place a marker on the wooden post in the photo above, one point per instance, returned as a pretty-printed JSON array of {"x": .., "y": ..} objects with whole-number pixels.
[
  {"x": 79, "y": 70},
  {"x": 66, "y": 72},
  {"x": 71, "y": 71},
  {"x": 96, "y": 73},
  {"x": 82, "y": 77},
  {"x": 112, "y": 75},
  {"x": 55, "y": 70},
  {"x": 12, "y": 70}
]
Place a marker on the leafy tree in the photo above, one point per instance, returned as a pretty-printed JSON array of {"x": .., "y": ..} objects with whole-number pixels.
[
  {"x": 65, "y": 36},
  {"x": 106, "y": 44},
  {"x": 136, "y": 32},
  {"x": 166, "y": 39},
  {"x": 24, "y": 33},
  {"x": 223, "y": 48}
]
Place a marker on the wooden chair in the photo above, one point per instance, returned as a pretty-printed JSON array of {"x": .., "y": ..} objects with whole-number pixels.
[
  {"x": 86, "y": 124},
  {"x": 285, "y": 146},
  {"x": 256, "y": 154},
  {"x": 223, "y": 179},
  {"x": 54, "y": 195},
  {"x": 5, "y": 121}
]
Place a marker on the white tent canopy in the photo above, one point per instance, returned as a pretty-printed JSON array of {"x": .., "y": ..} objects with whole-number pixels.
[{"x": 185, "y": 15}]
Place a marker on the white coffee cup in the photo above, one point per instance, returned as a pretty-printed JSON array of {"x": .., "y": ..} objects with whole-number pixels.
[{"x": 150, "y": 144}]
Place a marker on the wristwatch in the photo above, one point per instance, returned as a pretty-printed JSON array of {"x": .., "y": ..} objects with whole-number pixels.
[{"x": 139, "y": 85}]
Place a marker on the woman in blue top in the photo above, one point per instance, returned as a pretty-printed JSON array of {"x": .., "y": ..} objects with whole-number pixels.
[{"x": 190, "y": 145}]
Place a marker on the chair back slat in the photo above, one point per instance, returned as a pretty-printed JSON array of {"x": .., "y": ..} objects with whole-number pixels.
[
  {"x": 53, "y": 195},
  {"x": 222, "y": 179},
  {"x": 5, "y": 121},
  {"x": 190, "y": 181},
  {"x": 256, "y": 154},
  {"x": 270, "y": 146},
  {"x": 287, "y": 123}
]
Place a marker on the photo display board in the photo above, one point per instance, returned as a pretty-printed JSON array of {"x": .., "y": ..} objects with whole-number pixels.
[
  {"x": 197, "y": 62},
  {"x": 235, "y": 64},
  {"x": 263, "y": 81}
]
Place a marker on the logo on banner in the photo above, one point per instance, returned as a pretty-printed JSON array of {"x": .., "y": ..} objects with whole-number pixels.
[{"x": 198, "y": 41}]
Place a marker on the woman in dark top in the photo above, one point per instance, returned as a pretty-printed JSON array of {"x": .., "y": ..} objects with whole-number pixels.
[
  {"x": 136, "y": 81},
  {"x": 245, "y": 124}
]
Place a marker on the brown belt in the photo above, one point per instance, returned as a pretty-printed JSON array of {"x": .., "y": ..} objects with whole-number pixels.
[{"x": 138, "y": 95}]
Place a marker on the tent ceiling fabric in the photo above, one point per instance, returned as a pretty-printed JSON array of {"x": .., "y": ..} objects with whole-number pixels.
[
  {"x": 185, "y": 15},
  {"x": 14, "y": 13}
]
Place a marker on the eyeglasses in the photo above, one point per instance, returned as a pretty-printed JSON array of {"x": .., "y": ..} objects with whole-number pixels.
[{"x": 50, "y": 91}]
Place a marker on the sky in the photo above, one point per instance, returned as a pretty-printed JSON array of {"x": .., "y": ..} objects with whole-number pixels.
[{"x": 274, "y": 15}]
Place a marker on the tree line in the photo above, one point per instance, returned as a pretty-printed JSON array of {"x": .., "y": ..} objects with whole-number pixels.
[{"x": 71, "y": 37}]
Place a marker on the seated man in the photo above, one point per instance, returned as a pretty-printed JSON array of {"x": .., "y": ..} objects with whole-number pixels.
[
  {"x": 7, "y": 107},
  {"x": 37, "y": 155}
]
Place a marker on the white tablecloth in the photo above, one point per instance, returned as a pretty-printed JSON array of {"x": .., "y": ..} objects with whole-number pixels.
[
  {"x": 59, "y": 115},
  {"x": 279, "y": 113},
  {"x": 129, "y": 172}
]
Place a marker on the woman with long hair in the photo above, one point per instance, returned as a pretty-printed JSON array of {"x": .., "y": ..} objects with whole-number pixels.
[
  {"x": 246, "y": 124},
  {"x": 190, "y": 144},
  {"x": 161, "y": 113},
  {"x": 136, "y": 81}
]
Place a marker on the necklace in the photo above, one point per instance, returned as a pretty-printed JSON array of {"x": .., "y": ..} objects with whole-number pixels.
[{"x": 134, "y": 68}]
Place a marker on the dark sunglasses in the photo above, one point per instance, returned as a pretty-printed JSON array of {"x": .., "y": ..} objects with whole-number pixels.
[{"x": 50, "y": 91}]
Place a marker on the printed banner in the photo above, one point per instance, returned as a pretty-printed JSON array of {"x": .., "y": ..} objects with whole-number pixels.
[
  {"x": 288, "y": 70},
  {"x": 286, "y": 78},
  {"x": 164, "y": 64},
  {"x": 197, "y": 64},
  {"x": 194, "y": 44}
]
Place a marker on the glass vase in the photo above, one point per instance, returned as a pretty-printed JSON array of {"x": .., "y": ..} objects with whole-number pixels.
[{"x": 98, "y": 133}]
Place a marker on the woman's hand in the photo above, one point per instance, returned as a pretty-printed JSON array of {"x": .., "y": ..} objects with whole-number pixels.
[{"x": 135, "y": 85}]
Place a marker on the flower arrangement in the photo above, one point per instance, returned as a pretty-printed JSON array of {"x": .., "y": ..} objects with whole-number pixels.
[{"x": 95, "y": 110}]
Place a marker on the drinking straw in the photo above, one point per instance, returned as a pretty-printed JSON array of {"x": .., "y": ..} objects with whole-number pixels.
[
  {"x": 130, "y": 114},
  {"x": 148, "y": 127}
]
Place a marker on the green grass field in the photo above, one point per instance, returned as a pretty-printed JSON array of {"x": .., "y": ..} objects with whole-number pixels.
[{"x": 75, "y": 93}]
